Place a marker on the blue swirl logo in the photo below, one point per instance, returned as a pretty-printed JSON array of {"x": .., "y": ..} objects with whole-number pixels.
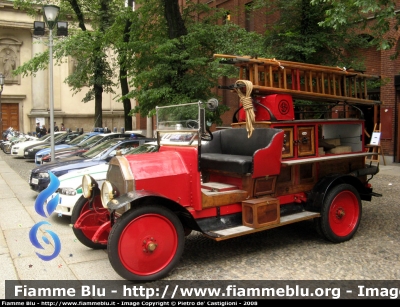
[
  {"x": 46, "y": 208},
  {"x": 36, "y": 243}
]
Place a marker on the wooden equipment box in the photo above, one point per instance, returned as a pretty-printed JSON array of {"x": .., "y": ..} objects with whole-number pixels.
[
  {"x": 305, "y": 137},
  {"x": 260, "y": 212}
]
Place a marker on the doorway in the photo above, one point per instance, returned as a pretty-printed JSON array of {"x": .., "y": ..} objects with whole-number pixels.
[{"x": 10, "y": 115}]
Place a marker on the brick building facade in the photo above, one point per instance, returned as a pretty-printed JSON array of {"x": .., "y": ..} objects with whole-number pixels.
[{"x": 377, "y": 63}]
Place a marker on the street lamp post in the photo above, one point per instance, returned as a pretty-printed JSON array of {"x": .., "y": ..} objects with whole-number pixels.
[
  {"x": 50, "y": 13},
  {"x": 2, "y": 77}
]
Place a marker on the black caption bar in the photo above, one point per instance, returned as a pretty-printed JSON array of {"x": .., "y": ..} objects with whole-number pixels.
[{"x": 201, "y": 290}]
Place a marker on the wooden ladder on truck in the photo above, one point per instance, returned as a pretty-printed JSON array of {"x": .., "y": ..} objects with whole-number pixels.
[{"x": 302, "y": 80}]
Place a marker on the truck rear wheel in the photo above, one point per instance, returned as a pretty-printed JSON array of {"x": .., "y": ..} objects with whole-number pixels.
[
  {"x": 146, "y": 243},
  {"x": 340, "y": 214},
  {"x": 91, "y": 223}
]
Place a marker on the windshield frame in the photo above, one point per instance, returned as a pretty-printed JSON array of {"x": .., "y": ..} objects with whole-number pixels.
[{"x": 180, "y": 126}]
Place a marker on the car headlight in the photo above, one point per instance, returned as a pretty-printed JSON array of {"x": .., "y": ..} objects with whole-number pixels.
[
  {"x": 107, "y": 193},
  {"x": 44, "y": 175},
  {"x": 87, "y": 186},
  {"x": 67, "y": 191}
]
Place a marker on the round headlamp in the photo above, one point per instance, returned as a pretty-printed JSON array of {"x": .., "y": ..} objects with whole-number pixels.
[
  {"x": 106, "y": 193},
  {"x": 87, "y": 186}
]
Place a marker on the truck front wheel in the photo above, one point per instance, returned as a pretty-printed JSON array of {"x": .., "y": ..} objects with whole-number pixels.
[
  {"x": 146, "y": 243},
  {"x": 340, "y": 214}
]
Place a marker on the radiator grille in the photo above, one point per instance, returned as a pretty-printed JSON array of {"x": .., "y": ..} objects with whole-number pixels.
[{"x": 120, "y": 176}]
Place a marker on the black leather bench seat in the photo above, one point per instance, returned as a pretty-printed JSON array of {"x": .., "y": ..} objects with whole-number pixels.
[
  {"x": 227, "y": 163},
  {"x": 231, "y": 150}
]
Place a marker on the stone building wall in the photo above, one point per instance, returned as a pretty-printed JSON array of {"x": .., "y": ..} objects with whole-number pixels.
[{"x": 29, "y": 95}]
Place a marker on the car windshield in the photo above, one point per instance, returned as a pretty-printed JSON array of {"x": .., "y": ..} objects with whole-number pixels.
[
  {"x": 59, "y": 136},
  {"x": 45, "y": 137},
  {"x": 100, "y": 148},
  {"x": 80, "y": 139},
  {"x": 145, "y": 148},
  {"x": 91, "y": 141}
]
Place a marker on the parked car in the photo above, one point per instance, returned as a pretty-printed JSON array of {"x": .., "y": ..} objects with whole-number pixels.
[
  {"x": 70, "y": 189},
  {"x": 76, "y": 141},
  {"x": 18, "y": 150},
  {"x": 62, "y": 138},
  {"x": 85, "y": 146},
  {"x": 99, "y": 154},
  {"x": 14, "y": 139}
]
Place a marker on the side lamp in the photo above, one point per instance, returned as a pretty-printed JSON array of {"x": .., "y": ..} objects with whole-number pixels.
[
  {"x": 38, "y": 28},
  {"x": 62, "y": 28}
]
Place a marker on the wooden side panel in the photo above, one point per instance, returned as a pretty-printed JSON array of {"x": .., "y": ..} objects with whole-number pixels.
[
  {"x": 215, "y": 199},
  {"x": 296, "y": 179},
  {"x": 306, "y": 141},
  {"x": 344, "y": 166},
  {"x": 264, "y": 186},
  {"x": 287, "y": 143},
  {"x": 285, "y": 181}
]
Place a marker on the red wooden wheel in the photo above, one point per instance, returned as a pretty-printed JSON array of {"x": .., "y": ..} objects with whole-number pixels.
[
  {"x": 344, "y": 213},
  {"x": 340, "y": 213},
  {"x": 146, "y": 243}
]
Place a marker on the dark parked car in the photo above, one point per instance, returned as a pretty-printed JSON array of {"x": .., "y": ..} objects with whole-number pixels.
[
  {"x": 99, "y": 154},
  {"x": 76, "y": 141},
  {"x": 85, "y": 146},
  {"x": 30, "y": 151}
]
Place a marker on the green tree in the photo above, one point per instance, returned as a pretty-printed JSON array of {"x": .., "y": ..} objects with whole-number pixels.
[
  {"x": 378, "y": 18},
  {"x": 86, "y": 42},
  {"x": 172, "y": 52},
  {"x": 299, "y": 36},
  {"x": 165, "y": 56}
]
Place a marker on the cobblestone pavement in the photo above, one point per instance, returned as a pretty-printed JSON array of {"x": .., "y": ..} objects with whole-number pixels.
[{"x": 292, "y": 252}]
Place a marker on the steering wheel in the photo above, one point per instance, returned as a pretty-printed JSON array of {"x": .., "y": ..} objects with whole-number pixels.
[{"x": 192, "y": 124}]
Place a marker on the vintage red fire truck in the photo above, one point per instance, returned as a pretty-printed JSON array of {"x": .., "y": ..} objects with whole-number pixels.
[{"x": 267, "y": 170}]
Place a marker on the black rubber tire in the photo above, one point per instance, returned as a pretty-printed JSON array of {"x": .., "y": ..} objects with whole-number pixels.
[
  {"x": 340, "y": 214},
  {"x": 126, "y": 224},
  {"x": 77, "y": 210}
]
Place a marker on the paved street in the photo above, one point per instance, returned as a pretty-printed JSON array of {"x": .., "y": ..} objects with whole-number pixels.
[{"x": 293, "y": 252}]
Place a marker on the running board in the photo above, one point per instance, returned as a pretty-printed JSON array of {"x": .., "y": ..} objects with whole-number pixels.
[{"x": 224, "y": 234}]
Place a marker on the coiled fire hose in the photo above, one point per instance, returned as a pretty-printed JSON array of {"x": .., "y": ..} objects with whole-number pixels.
[{"x": 247, "y": 104}]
